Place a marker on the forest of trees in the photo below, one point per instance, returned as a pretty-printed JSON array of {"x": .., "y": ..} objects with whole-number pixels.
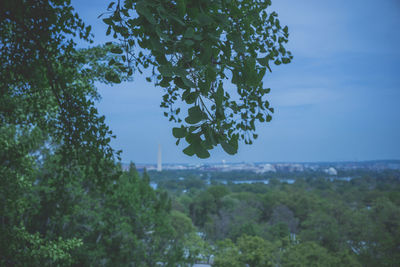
[
  {"x": 64, "y": 198},
  {"x": 315, "y": 221}
]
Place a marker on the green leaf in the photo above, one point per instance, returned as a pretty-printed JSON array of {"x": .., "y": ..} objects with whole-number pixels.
[
  {"x": 108, "y": 21},
  {"x": 144, "y": 11},
  {"x": 204, "y": 87},
  {"x": 209, "y": 134},
  {"x": 204, "y": 20},
  {"x": 111, "y": 62},
  {"x": 205, "y": 57},
  {"x": 180, "y": 71},
  {"x": 219, "y": 96},
  {"x": 164, "y": 83},
  {"x": 189, "y": 33},
  {"x": 166, "y": 70},
  {"x": 179, "y": 132},
  {"x": 155, "y": 43},
  {"x": 190, "y": 151},
  {"x": 188, "y": 82},
  {"x": 195, "y": 115},
  {"x": 188, "y": 42},
  {"x": 181, "y": 4},
  {"x": 239, "y": 45},
  {"x": 261, "y": 74},
  {"x": 228, "y": 148},
  {"x": 285, "y": 29},
  {"x": 211, "y": 74},
  {"x": 263, "y": 61},
  {"x": 201, "y": 152},
  {"x": 190, "y": 98},
  {"x": 110, "y": 5},
  {"x": 178, "y": 20},
  {"x": 178, "y": 82},
  {"x": 198, "y": 37}
]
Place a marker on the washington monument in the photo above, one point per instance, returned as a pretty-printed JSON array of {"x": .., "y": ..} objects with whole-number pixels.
[{"x": 159, "y": 166}]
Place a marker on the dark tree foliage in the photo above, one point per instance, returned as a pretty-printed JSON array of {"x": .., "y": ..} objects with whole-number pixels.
[
  {"x": 63, "y": 199},
  {"x": 313, "y": 222},
  {"x": 46, "y": 101},
  {"x": 47, "y": 84},
  {"x": 59, "y": 185}
]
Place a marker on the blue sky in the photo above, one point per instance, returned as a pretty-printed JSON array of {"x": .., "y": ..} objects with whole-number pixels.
[{"x": 338, "y": 100}]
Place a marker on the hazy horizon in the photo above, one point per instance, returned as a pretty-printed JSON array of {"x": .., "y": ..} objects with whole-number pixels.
[{"x": 270, "y": 162}]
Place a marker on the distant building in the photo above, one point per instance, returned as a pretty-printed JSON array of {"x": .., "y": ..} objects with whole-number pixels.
[
  {"x": 331, "y": 171},
  {"x": 266, "y": 168}
]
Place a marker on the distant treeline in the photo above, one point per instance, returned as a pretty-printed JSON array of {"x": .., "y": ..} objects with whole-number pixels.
[
  {"x": 251, "y": 175},
  {"x": 313, "y": 222}
]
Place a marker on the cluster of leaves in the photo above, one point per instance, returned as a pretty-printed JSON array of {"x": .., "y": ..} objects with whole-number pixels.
[
  {"x": 37, "y": 250},
  {"x": 53, "y": 220},
  {"x": 193, "y": 48},
  {"x": 256, "y": 251},
  {"x": 17, "y": 173},
  {"x": 127, "y": 223},
  {"x": 47, "y": 83}
]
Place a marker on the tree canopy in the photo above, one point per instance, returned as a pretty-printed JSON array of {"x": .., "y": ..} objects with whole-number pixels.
[
  {"x": 197, "y": 51},
  {"x": 63, "y": 198}
]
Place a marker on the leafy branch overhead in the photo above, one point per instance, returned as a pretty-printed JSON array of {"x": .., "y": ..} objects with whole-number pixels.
[{"x": 198, "y": 51}]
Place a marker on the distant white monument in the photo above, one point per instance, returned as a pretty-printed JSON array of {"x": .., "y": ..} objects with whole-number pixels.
[
  {"x": 224, "y": 163},
  {"x": 159, "y": 166}
]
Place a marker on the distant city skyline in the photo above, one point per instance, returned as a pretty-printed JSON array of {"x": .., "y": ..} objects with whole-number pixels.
[
  {"x": 337, "y": 100},
  {"x": 330, "y": 168}
]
